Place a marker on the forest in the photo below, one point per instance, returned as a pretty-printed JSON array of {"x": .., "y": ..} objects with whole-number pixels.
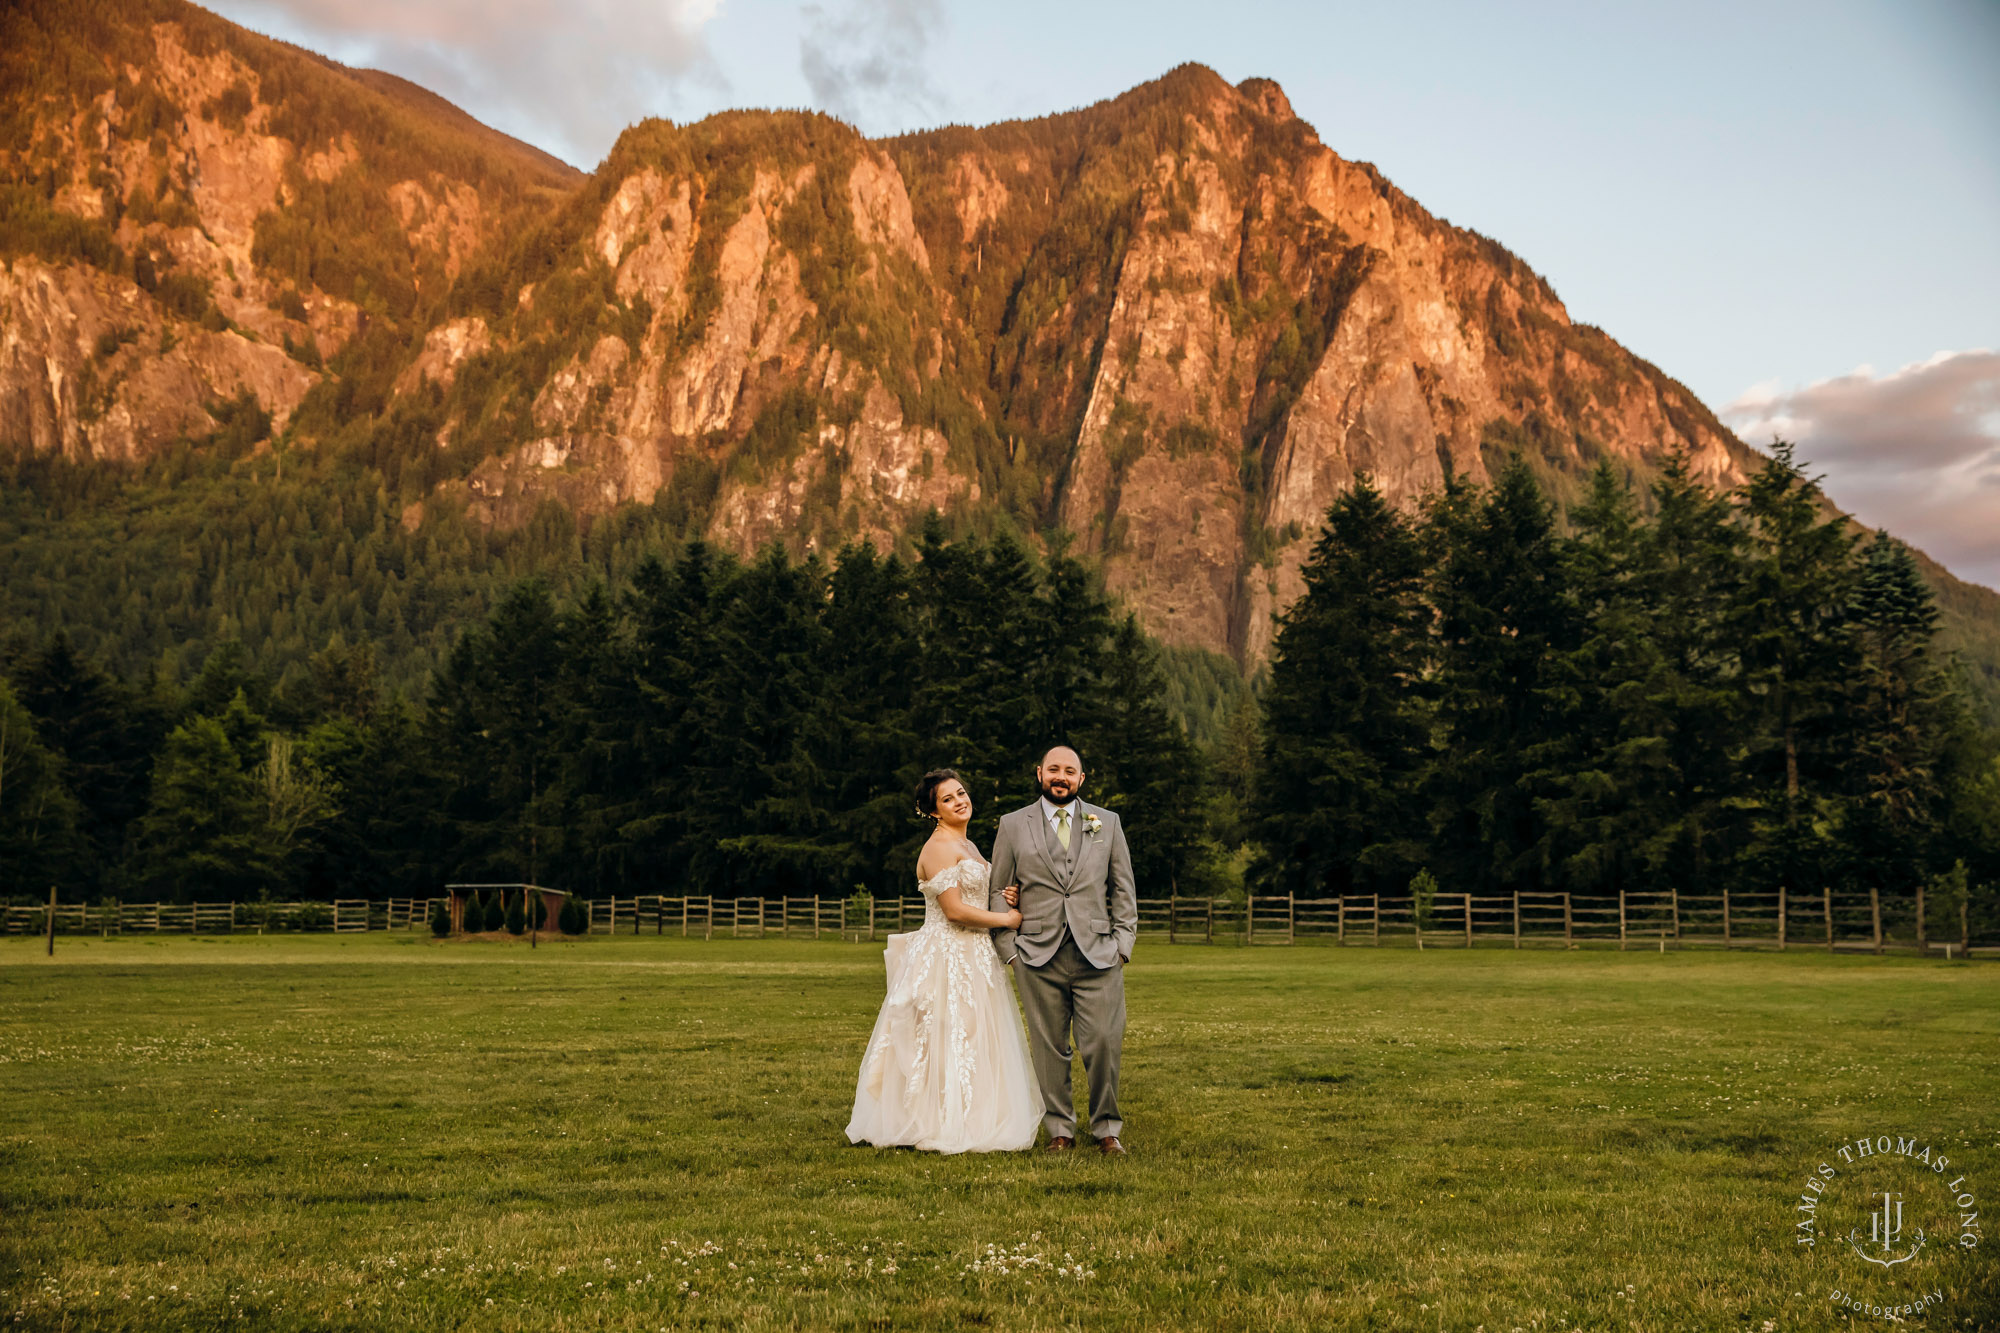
[{"x": 1664, "y": 686}]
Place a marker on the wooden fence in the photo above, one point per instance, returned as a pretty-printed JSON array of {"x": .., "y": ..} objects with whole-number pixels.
[{"x": 1777, "y": 920}]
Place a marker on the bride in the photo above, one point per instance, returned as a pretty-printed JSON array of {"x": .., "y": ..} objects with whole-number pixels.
[{"x": 947, "y": 1064}]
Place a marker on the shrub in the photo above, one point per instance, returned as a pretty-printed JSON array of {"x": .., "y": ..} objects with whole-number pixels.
[
  {"x": 571, "y": 919},
  {"x": 440, "y": 917},
  {"x": 538, "y": 907},
  {"x": 517, "y": 917},
  {"x": 473, "y": 919},
  {"x": 496, "y": 911},
  {"x": 312, "y": 916}
]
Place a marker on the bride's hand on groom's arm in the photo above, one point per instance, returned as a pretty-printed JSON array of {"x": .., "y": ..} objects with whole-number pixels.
[{"x": 1012, "y": 893}]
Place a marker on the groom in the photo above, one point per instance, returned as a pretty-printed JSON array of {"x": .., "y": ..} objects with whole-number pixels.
[{"x": 1078, "y": 920}]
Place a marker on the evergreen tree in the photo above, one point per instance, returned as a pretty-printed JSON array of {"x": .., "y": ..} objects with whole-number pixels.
[
  {"x": 39, "y": 840},
  {"x": 988, "y": 706},
  {"x": 104, "y": 739},
  {"x": 759, "y": 819},
  {"x": 1345, "y": 731},
  {"x": 1504, "y": 615},
  {"x": 1144, "y": 766},
  {"x": 660, "y": 736},
  {"x": 1901, "y": 718},
  {"x": 204, "y": 835},
  {"x": 864, "y": 731},
  {"x": 496, "y": 716},
  {"x": 1641, "y": 784},
  {"x": 1793, "y": 624}
]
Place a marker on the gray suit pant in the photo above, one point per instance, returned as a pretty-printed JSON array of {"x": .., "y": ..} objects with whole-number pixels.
[{"x": 1064, "y": 995}]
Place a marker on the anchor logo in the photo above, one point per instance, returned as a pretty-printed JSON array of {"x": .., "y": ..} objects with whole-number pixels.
[{"x": 1885, "y": 1228}]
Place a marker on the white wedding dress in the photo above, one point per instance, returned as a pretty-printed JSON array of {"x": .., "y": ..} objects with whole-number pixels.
[{"x": 947, "y": 1065}]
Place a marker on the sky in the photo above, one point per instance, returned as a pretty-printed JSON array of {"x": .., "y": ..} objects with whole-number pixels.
[{"x": 1793, "y": 208}]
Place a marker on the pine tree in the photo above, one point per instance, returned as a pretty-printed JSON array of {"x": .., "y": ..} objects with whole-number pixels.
[
  {"x": 204, "y": 834},
  {"x": 495, "y": 719},
  {"x": 1505, "y": 616},
  {"x": 865, "y": 730},
  {"x": 983, "y": 708},
  {"x": 758, "y": 815},
  {"x": 1793, "y": 623},
  {"x": 1640, "y": 782},
  {"x": 39, "y": 840},
  {"x": 104, "y": 738},
  {"x": 1901, "y": 717},
  {"x": 1144, "y": 767},
  {"x": 1345, "y": 729}
]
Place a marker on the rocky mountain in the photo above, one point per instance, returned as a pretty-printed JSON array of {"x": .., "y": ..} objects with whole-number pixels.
[
  {"x": 193, "y": 213},
  {"x": 1166, "y": 329}
]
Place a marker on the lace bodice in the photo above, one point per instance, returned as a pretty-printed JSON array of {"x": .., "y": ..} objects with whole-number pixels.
[{"x": 969, "y": 877}]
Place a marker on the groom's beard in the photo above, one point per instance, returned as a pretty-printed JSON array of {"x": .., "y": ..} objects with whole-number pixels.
[{"x": 1069, "y": 794}]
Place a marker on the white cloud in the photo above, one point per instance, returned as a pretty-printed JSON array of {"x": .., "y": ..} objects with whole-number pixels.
[
  {"x": 1916, "y": 451},
  {"x": 565, "y": 75},
  {"x": 870, "y": 62}
]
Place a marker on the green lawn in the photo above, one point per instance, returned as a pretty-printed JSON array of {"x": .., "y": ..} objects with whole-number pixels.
[{"x": 386, "y": 1132}]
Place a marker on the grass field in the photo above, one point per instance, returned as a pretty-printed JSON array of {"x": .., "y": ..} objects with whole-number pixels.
[{"x": 632, "y": 1133}]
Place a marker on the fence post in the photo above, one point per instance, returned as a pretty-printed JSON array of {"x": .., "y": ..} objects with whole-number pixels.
[
  {"x": 1468, "y": 919},
  {"x": 1249, "y": 918},
  {"x": 1173, "y": 918},
  {"x": 708, "y": 917},
  {"x": 1340, "y": 927},
  {"x": 1208, "y": 931},
  {"x": 1923, "y": 946},
  {"x": 1517, "y": 918},
  {"x": 1376, "y": 939},
  {"x": 1676, "y": 892},
  {"x": 1826, "y": 905},
  {"x": 1291, "y": 919},
  {"x": 871, "y": 918},
  {"x": 1875, "y": 913},
  {"x": 1725, "y": 918},
  {"x": 1569, "y": 941},
  {"x": 1781, "y": 918}
]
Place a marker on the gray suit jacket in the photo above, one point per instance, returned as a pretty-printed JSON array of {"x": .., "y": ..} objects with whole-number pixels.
[{"x": 1085, "y": 893}]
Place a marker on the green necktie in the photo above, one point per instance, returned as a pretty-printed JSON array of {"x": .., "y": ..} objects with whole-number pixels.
[{"x": 1062, "y": 826}]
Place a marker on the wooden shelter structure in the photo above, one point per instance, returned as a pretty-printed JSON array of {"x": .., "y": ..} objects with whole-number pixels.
[{"x": 552, "y": 901}]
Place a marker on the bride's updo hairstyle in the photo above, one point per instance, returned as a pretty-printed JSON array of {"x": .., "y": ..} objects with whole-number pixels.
[{"x": 927, "y": 790}]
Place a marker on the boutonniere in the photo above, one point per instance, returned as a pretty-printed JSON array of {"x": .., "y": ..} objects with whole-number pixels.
[{"x": 1092, "y": 824}]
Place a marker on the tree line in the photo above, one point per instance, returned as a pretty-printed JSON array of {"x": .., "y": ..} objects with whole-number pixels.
[
  {"x": 1666, "y": 687},
  {"x": 711, "y": 726},
  {"x": 1679, "y": 688}
]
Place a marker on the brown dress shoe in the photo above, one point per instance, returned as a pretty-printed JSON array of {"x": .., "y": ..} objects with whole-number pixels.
[
  {"x": 1110, "y": 1146},
  {"x": 1061, "y": 1143}
]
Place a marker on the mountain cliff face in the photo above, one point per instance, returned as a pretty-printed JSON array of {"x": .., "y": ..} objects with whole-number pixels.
[
  {"x": 1167, "y": 329},
  {"x": 1173, "y": 325},
  {"x": 193, "y": 213}
]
